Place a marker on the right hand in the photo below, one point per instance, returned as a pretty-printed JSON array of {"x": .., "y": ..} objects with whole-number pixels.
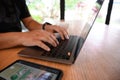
[{"x": 37, "y": 38}]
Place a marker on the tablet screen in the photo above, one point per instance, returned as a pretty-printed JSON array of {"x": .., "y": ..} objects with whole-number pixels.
[{"x": 20, "y": 71}]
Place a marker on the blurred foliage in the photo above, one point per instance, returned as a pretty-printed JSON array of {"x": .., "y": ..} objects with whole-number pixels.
[
  {"x": 35, "y": 11},
  {"x": 71, "y": 4}
]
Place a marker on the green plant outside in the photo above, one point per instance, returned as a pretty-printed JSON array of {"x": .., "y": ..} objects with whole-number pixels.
[{"x": 70, "y": 4}]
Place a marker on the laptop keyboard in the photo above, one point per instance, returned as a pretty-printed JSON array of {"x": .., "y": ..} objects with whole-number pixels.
[{"x": 63, "y": 50}]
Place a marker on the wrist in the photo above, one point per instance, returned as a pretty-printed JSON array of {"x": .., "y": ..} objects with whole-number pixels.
[{"x": 44, "y": 25}]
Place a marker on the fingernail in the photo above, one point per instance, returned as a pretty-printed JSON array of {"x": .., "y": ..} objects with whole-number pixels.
[
  {"x": 55, "y": 45},
  {"x": 67, "y": 37},
  {"x": 62, "y": 38},
  {"x": 48, "y": 49},
  {"x": 57, "y": 42}
]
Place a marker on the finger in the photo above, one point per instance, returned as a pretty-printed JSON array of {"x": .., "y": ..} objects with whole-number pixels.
[
  {"x": 54, "y": 38},
  {"x": 46, "y": 37},
  {"x": 57, "y": 29},
  {"x": 52, "y": 41},
  {"x": 65, "y": 33},
  {"x": 49, "y": 40},
  {"x": 42, "y": 45}
]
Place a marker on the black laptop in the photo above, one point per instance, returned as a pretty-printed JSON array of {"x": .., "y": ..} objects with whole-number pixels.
[{"x": 67, "y": 50}]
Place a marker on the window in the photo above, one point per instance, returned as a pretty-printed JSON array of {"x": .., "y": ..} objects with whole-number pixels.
[{"x": 48, "y": 10}]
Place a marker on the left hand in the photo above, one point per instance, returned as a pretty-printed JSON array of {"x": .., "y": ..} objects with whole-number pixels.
[{"x": 61, "y": 30}]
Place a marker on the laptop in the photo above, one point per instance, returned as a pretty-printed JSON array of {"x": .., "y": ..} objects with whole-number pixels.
[{"x": 67, "y": 50}]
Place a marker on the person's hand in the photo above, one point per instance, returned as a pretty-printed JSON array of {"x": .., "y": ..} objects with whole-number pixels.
[
  {"x": 61, "y": 30},
  {"x": 37, "y": 38}
]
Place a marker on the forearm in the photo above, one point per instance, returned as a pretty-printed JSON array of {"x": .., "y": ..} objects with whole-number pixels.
[
  {"x": 31, "y": 24},
  {"x": 8, "y": 40}
]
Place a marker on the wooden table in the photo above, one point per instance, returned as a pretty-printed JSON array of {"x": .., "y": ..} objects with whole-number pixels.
[{"x": 99, "y": 58}]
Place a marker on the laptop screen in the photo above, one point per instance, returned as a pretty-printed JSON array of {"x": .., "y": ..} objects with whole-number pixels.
[
  {"x": 91, "y": 17},
  {"x": 86, "y": 15}
]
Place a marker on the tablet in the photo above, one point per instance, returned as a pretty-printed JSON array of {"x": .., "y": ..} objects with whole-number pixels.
[{"x": 24, "y": 70}]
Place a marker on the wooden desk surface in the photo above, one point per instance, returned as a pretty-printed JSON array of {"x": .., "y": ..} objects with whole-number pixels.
[{"x": 99, "y": 58}]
